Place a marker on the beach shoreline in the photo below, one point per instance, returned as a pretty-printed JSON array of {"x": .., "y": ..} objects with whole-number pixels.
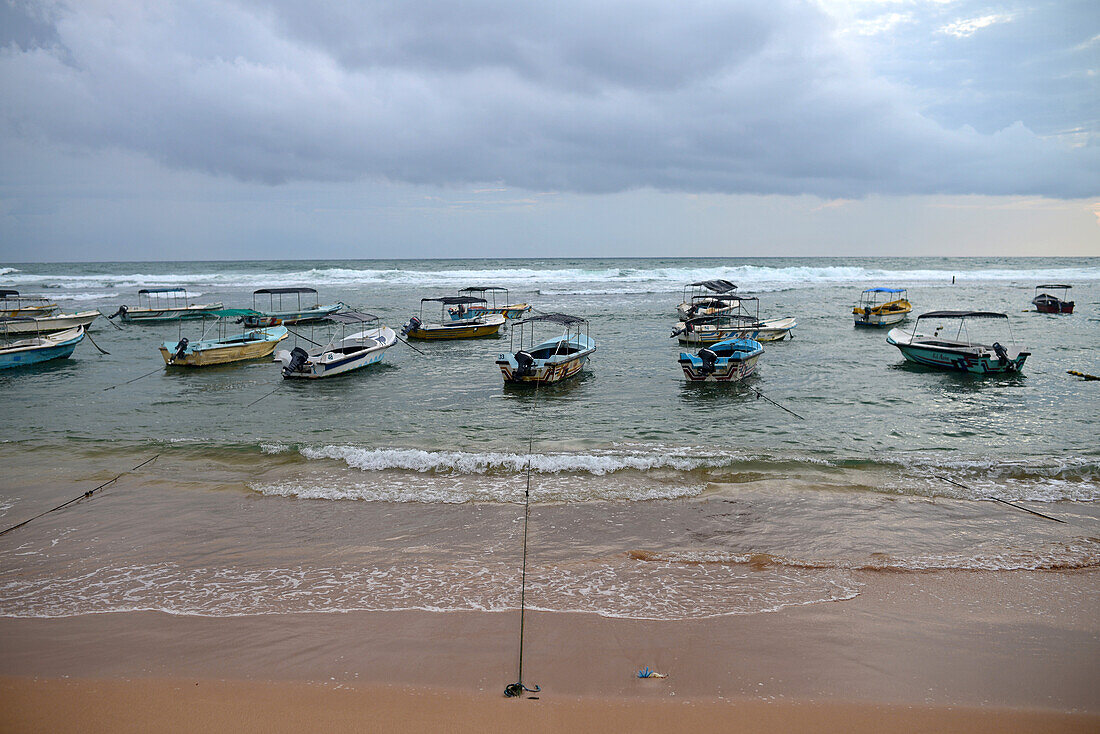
[{"x": 944, "y": 650}]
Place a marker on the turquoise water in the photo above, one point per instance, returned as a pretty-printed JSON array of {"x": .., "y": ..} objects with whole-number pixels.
[{"x": 436, "y": 443}]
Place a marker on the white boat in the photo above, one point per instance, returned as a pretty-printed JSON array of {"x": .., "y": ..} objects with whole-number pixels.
[
  {"x": 47, "y": 324},
  {"x": 549, "y": 361},
  {"x": 350, "y": 352},
  {"x": 699, "y": 301},
  {"x": 40, "y": 348},
  {"x": 737, "y": 323},
  {"x": 954, "y": 349},
  {"x": 163, "y": 304}
]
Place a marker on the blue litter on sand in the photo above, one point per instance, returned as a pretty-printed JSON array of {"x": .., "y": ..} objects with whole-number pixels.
[{"x": 647, "y": 673}]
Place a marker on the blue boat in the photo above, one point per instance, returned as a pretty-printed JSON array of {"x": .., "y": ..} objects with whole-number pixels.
[
  {"x": 731, "y": 360},
  {"x": 41, "y": 348},
  {"x": 953, "y": 349}
]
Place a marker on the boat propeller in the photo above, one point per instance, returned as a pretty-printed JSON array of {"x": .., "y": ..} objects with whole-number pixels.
[
  {"x": 120, "y": 312},
  {"x": 525, "y": 364},
  {"x": 298, "y": 357},
  {"x": 1002, "y": 353},
  {"x": 709, "y": 359},
  {"x": 180, "y": 348},
  {"x": 411, "y": 325}
]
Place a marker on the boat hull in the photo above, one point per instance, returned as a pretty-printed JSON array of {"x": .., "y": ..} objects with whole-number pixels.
[
  {"x": 766, "y": 331},
  {"x": 38, "y": 350},
  {"x": 544, "y": 374},
  {"x": 275, "y": 318},
  {"x": 152, "y": 315},
  {"x": 208, "y": 353},
  {"x": 489, "y": 326},
  {"x": 50, "y": 324},
  {"x": 733, "y": 364},
  {"x": 865, "y": 320},
  {"x": 1053, "y": 306},
  {"x": 977, "y": 360}
]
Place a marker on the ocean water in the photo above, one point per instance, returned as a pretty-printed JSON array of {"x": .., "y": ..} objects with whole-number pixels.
[{"x": 400, "y": 486}]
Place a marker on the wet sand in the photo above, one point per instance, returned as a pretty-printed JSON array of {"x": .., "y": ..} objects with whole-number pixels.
[{"x": 942, "y": 651}]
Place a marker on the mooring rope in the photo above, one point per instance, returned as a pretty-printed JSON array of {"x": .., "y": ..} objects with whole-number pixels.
[{"x": 89, "y": 493}]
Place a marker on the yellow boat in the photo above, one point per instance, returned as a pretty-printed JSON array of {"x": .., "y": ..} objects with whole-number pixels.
[
  {"x": 467, "y": 328},
  {"x": 252, "y": 344},
  {"x": 13, "y": 305},
  {"x": 881, "y": 307}
]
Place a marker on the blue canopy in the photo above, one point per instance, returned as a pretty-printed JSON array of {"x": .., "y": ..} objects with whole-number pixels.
[{"x": 885, "y": 290}]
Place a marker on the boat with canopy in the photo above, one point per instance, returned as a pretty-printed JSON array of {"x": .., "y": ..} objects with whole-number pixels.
[
  {"x": 163, "y": 304},
  {"x": 698, "y": 300},
  {"x": 730, "y": 360},
  {"x": 1049, "y": 303},
  {"x": 48, "y": 324},
  {"x": 365, "y": 345},
  {"x": 952, "y": 347},
  {"x": 13, "y": 305},
  {"x": 508, "y": 310},
  {"x": 41, "y": 347},
  {"x": 736, "y": 323},
  {"x": 466, "y": 326},
  {"x": 279, "y": 313},
  {"x": 882, "y": 307},
  {"x": 549, "y": 361},
  {"x": 221, "y": 347}
]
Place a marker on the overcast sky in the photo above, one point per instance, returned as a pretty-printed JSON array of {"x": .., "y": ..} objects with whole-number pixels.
[{"x": 249, "y": 129}]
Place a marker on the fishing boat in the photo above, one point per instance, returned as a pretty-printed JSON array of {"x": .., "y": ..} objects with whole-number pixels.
[
  {"x": 223, "y": 348},
  {"x": 1048, "y": 303},
  {"x": 730, "y": 360},
  {"x": 365, "y": 346},
  {"x": 956, "y": 350},
  {"x": 48, "y": 324},
  {"x": 465, "y": 327},
  {"x": 882, "y": 307},
  {"x": 508, "y": 310},
  {"x": 40, "y": 348},
  {"x": 549, "y": 361},
  {"x": 698, "y": 299},
  {"x": 163, "y": 304},
  {"x": 13, "y": 305},
  {"x": 277, "y": 314},
  {"x": 736, "y": 323}
]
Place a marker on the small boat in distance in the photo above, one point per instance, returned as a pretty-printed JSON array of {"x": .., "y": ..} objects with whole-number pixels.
[
  {"x": 163, "y": 304},
  {"x": 882, "y": 307},
  {"x": 224, "y": 348},
  {"x": 730, "y": 360},
  {"x": 508, "y": 310},
  {"x": 364, "y": 347},
  {"x": 957, "y": 351},
  {"x": 47, "y": 324},
  {"x": 13, "y": 305},
  {"x": 1048, "y": 303},
  {"x": 276, "y": 313},
  {"x": 549, "y": 361},
  {"x": 736, "y": 323},
  {"x": 40, "y": 348},
  {"x": 464, "y": 327},
  {"x": 698, "y": 301}
]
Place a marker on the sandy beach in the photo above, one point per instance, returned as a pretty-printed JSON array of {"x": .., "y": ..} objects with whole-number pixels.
[{"x": 942, "y": 651}]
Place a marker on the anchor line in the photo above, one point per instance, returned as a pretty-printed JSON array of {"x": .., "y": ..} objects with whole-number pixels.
[{"x": 89, "y": 493}]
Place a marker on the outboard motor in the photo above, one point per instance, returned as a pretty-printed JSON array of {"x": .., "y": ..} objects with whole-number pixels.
[
  {"x": 525, "y": 364},
  {"x": 120, "y": 312},
  {"x": 1002, "y": 353},
  {"x": 709, "y": 359},
  {"x": 410, "y": 325},
  {"x": 181, "y": 347},
  {"x": 298, "y": 357}
]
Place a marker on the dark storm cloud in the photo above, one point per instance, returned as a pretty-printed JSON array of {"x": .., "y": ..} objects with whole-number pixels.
[{"x": 571, "y": 96}]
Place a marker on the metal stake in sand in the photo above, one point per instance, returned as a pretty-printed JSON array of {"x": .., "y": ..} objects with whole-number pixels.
[{"x": 516, "y": 690}]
